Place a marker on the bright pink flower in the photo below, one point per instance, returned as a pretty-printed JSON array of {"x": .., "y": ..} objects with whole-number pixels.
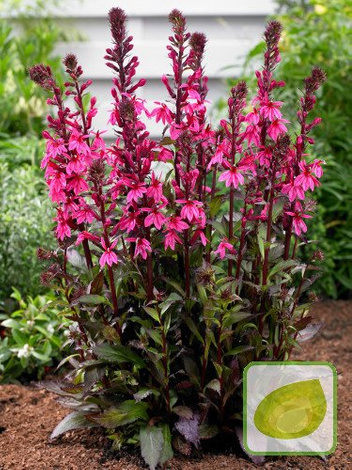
[
  {"x": 298, "y": 222},
  {"x": 84, "y": 215},
  {"x": 276, "y": 128},
  {"x": 78, "y": 142},
  {"x": 86, "y": 236},
  {"x": 223, "y": 246},
  {"x": 233, "y": 176},
  {"x": 77, "y": 165},
  {"x": 142, "y": 247},
  {"x": 62, "y": 230},
  {"x": 78, "y": 185},
  {"x": 190, "y": 210},
  {"x": 155, "y": 218},
  {"x": 171, "y": 238},
  {"x": 221, "y": 150},
  {"x": 162, "y": 113},
  {"x": 155, "y": 190},
  {"x": 253, "y": 117},
  {"x": 199, "y": 233},
  {"x": 316, "y": 167},
  {"x": 306, "y": 179},
  {"x": 108, "y": 257},
  {"x": 129, "y": 220},
  {"x": 176, "y": 223},
  {"x": 252, "y": 134},
  {"x": 55, "y": 146},
  {"x": 271, "y": 109},
  {"x": 294, "y": 191},
  {"x": 137, "y": 190},
  {"x": 264, "y": 156}
]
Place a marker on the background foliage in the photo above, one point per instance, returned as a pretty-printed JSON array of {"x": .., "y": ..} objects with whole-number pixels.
[
  {"x": 27, "y": 36},
  {"x": 30, "y": 338}
]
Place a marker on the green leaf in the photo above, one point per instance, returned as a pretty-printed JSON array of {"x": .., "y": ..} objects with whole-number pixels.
[
  {"x": 75, "y": 420},
  {"x": 127, "y": 412},
  {"x": 76, "y": 260},
  {"x": 208, "y": 431},
  {"x": 118, "y": 353},
  {"x": 152, "y": 444},
  {"x": 167, "y": 452},
  {"x": 19, "y": 337},
  {"x": 97, "y": 283},
  {"x": 238, "y": 350},
  {"x": 152, "y": 313},
  {"x": 281, "y": 266},
  {"x": 93, "y": 299},
  {"x": 192, "y": 326}
]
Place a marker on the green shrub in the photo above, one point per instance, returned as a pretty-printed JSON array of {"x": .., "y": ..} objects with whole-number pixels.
[
  {"x": 25, "y": 222},
  {"x": 30, "y": 339}
]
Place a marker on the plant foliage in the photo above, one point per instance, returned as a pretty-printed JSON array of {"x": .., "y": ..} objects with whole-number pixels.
[{"x": 30, "y": 338}]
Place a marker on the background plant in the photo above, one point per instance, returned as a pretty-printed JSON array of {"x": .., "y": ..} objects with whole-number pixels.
[
  {"x": 170, "y": 298},
  {"x": 30, "y": 338},
  {"x": 27, "y": 34},
  {"x": 319, "y": 32}
]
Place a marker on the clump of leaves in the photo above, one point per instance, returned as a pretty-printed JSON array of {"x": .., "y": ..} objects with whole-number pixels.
[
  {"x": 172, "y": 299},
  {"x": 31, "y": 338}
]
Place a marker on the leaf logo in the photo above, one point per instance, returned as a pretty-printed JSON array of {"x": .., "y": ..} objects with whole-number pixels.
[{"x": 292, "y": 411}]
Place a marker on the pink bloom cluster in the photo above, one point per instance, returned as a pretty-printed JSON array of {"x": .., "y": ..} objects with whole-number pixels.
[{"x": 114, "y": 199}]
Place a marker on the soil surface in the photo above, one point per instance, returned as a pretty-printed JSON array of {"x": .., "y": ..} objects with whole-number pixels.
[{"x": 29, "y": 414}]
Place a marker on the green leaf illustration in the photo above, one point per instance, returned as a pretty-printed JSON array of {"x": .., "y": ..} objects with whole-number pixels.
[{"x": 292, "y": 411}]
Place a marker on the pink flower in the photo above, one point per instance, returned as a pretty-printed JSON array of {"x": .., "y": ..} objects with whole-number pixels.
[
  {"x": 221, "y": 150},
  {"x": 78, "y": 185},
  {"x": 316, "y": 167},
  {"x": 142, "y": 247},
  {"x": 293, "y": 190},
  {"x": 86, "y": 236},
  {"x": 232, "y": 176},
  {"x": 297, "y": 222},
  {"x": 62, "y": 230},
  {"x": 155, "y": 218},
  {"x": 108, "y": 257},
  {"x": 306, "y": 179},
  {"x": 177, "y": 224},
  {"x": 128, "y": 221},
  {"x": 137, "y": 190},
  {"x": 264, "y": 156},
  {"x": 252, "y": 134},
  {"x": 162, "y": 113},
  {"x": 190, "y": 210},
  {"x": 253, "y": 117},
  {"x": 77, "y": 142},
  {"x": 171, "y": 238},
  {"x": 270, "y": 109},
  {"x": 76, "y": 165},
  {"x": 155, "y": 189},
  {"x": 223, "y": 246},
  {"x": 276, "y": 128},
  {"x": 54, "y": 147},
  {"x": 84, "y": 214}
]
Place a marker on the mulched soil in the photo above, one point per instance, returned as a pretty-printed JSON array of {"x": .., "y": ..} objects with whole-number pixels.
[{"x": 28, "y": 415}]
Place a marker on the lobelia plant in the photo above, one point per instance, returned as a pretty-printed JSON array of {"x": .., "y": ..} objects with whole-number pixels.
[{"x": 178, "y": 258}]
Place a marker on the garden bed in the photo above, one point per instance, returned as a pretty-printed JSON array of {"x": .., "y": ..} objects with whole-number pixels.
[{"x": 28, "y": 415}]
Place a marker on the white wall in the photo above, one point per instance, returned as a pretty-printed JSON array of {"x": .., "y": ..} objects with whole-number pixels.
[{"x": 232, "y": 28}]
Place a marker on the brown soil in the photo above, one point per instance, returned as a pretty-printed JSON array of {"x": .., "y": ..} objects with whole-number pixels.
[{"x": 28, "y": 415}]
